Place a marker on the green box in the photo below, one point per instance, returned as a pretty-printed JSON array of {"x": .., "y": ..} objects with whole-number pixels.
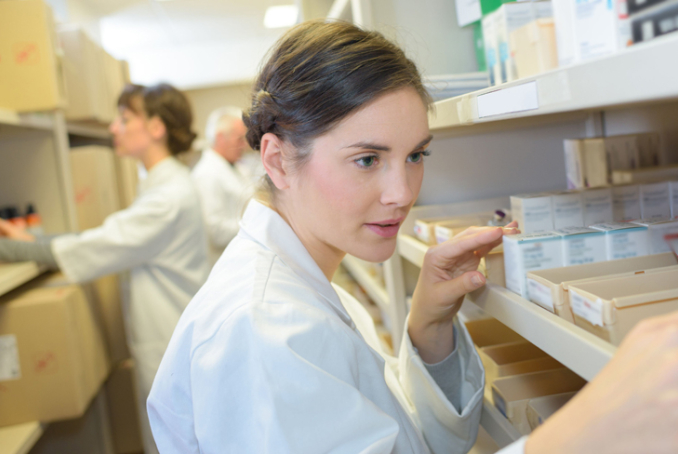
[
  {"x": 479, "y": 44},
  {"x": 488, "y": 6}
]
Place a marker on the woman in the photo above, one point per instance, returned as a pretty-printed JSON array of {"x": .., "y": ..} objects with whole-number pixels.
[
  {"x": 159, "y": 238},
  {"x": 270, "y": 357}
]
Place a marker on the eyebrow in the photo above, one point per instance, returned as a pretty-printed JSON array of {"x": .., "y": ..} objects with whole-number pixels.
[{"x": 378, "y": 147}]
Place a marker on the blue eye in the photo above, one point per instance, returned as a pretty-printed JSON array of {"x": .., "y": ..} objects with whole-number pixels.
[
  {"x": 419, "y": 156},
  {"x": 366, "y": 161}
]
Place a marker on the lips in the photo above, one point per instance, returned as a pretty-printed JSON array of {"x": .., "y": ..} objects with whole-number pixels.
[{"x": 386, "y": 229}]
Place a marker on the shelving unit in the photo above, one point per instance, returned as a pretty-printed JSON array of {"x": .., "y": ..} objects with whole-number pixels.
[
  {"x": 371, "y": 286},
  {"x": 13, "y": 275},
  {"x": 497, "y": 426},
  {"x": 20, "y": 439}
]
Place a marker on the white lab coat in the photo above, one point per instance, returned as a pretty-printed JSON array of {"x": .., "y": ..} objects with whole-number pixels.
[
  {"x": 224, "y": 192},
  {"x": 160, "y": 239},
  {"x": 271, "y": 357}
]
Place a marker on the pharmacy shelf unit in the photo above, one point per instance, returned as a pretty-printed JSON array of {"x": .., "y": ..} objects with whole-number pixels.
[
  {"x": 499, "y": 428},
  {"x": 372, "y": 287},
  {"x": 594, "y": 85},
  {"x": 13, "y": 275},
  {"x": 20, "y": 439}
]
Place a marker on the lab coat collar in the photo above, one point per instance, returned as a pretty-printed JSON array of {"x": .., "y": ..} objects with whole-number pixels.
[
  {"x": 269, "y": 229},
  {"x": 162, "y": 172}
]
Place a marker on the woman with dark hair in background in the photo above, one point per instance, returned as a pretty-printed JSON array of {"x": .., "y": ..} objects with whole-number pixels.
[
  {"x": 159, "y": 239},
  {"x": 271, "y": 357}
]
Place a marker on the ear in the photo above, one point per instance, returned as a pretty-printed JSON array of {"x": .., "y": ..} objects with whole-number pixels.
[
  {"x": 272, "y": 158},
  {"x": 156, "y": 128}
]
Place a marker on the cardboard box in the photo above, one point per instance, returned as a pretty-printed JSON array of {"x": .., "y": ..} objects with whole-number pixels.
[
  {"x": 512, "y": 394},
  {"x": 115, "y": 83},
  {"x": 611, "y": 308},
  {"x": 541, "y": 408},
  {"x": 445, "y": 230},
  {"x": 649, "y": 149},
  {"x": 514, "y": 359},
  {"x": 425, "y": 229},
  {"x": 624, "y": 240},
  {"x": 601, "y": 28},
  {"x": 566, "y": 38},
  {"x": 586, "y": 163},
  {"x": 550, "y": 288},
  {"x": 582, "y": 245},
  {"x": 534, "y": 48},
  {"x": 127, "y": 172},
  {"x": 88, "y": 434},
  {"x": 568, "y": 209},
  {"x": 534, "y": 212},
  {"x": 492, "y": 266},
  {"x": 491, "y": 331},
  {"x": 597, "y": 206},
  {"x": 54, "y": 355},
  {"x": 95, "y": 184},
  {"x": 623, "y": 152},
  {"x": 122, "y": 399},
  {"x": 30, "y": 70},
  {"x": 656, "y": 231},
  {"x": 625, "y": 202},
  {"x": 645, "y": 175},
  {"x": 655, "y": 200},
  {"x": 528, "y": 252}
]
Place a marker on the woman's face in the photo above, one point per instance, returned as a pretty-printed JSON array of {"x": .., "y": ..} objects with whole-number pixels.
[
  {"x": 363, "y": 177},
  {"x": 131, "y": 135}
]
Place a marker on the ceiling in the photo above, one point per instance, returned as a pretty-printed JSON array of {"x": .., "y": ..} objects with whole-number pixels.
[{"x": 189, "y": 43}]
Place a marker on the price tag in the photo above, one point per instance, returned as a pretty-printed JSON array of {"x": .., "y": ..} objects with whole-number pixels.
[
  {"x": 587, "y": 309},
  {"x": 540, "y": 294}
]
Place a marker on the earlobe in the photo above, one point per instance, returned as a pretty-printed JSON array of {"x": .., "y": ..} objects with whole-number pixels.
[
  {"x": 272, "y": 158},
  {"x": 157, "y": 128}
]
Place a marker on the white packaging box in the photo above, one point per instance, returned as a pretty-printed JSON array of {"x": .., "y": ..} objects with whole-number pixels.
[
  {"x": 566, "y": 38},
  {"x": 597, "y": 206},
  {"x": 655, "y": 202},
  {"x": 530, "y": 252},
  {"x": 601, "y": 28},
  {"x": 533, "y": 212},
  {"x": 656, "y": 231},
  {"x": 645, "y": 175},
  {"x": 626, "y": 202},
  {"x": 582, "y": 245},
  {"x": 673, "y": 188},
  {"x": 568, "y": 210},
  {"x": 624, "y": 240},
  {"x": 586, "y": 163},
  {"x": 489, "y": 26},
  {"x": 511, "y": 17}
]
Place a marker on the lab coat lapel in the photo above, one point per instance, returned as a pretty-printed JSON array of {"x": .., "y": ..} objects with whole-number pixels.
[
  {"x": 268, "y": 228},
  {"x": 161, "y": 172}
]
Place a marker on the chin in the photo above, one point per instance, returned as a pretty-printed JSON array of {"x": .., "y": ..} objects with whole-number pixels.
[{"x": 375, "y": 252}]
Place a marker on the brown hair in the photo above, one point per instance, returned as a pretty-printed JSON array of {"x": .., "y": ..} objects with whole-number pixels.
[
  {"x": 167, "y": 103},
  {"x": 316, "y": 75}
]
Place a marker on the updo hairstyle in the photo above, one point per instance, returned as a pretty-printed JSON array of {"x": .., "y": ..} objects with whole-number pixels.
[
  {"x": 168, "y": 104},
  {"x": 316, "y": 75}
]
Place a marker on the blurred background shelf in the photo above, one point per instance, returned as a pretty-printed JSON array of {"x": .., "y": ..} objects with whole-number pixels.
[
  {"x": 497, "y": 426},
  {"x": 20, "y": 439},
  {"x": 368, "y": 282},
  {"x": 13, "y": 275}
]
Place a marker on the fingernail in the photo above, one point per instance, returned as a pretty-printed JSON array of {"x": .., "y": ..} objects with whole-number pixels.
[{"x": 477, "y": 280}]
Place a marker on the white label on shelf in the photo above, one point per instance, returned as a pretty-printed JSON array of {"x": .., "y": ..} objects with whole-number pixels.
[
  {"x": 10, "y": 368},
  {"x": 540, "y": 294},
  {"x": 587, "y": 309},
  {"x": 509, "y": 100}
]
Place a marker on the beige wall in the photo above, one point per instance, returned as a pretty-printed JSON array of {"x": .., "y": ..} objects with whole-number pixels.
[{"x": 205, "y": 100}]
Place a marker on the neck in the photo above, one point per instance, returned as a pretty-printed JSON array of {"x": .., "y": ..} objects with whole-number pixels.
[
  {"x": 327, "y": 258},
  {"x": 153, "y": 156},
  {"x": 223, "y": 155}
]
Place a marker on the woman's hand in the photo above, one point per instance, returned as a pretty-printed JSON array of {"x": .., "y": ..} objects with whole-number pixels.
[
  {"x": 630, "y": 407},
  {"x": 13, "y": 232},
  {"x": 449, "y": 272}
]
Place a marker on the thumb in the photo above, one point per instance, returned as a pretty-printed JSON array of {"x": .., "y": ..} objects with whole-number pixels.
[{"x": 461, "y": 285}]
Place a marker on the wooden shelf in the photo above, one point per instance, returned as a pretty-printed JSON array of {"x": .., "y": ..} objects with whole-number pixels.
[
  {"x": 594, "y": 85},
  {"x": 36, "y": 120},
  {"x": 88, "y": 130},
  {"x": 12, "y": 275},
  {"x": 373, "y": 288},
  {"x": 20, "y": 439}
]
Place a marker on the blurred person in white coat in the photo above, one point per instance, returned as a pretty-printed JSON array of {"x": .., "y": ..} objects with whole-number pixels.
[
  {"x": 159, "y": 238},
  {"x": 270, "y": 357},
  {"x": 224, "y": 186}
]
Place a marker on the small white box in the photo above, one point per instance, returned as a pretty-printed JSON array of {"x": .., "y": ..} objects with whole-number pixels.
[
  {"x": 656, "y": 231},
  {"x": 673, "y": 187},
  {"x": 566, "y": 37},
  {"x": 626, "y": 202},
  {"x": 597, "y": 206},
  {"x": 645, "y": 175},
  {"x": 489, "y": 26},
  {"x": 600, "y": 28},
  {"x": 582, "y": 245},
  {"x": 568, "y": 210},
  {"x": 533, "y": 212},
  {"x": 530, "y": 252},
  {"x": 623, "y": 240},
  {"x": 654, "y": 201}
]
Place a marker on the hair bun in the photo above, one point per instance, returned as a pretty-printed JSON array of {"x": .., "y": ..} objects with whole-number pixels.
[{"x": 260, "y": 118}]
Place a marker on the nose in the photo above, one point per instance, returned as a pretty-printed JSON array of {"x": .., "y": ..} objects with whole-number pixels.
[
  {"x": 114, "y": 126},
  {"x": 396, "y": 187}
]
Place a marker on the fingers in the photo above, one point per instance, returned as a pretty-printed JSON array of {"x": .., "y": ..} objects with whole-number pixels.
[
  {"x": 460, "y": 286},
  {"x": 470, "y": 240}
]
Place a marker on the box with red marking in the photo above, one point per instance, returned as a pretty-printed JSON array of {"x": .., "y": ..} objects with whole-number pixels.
[{"x": 53, "y": 358}]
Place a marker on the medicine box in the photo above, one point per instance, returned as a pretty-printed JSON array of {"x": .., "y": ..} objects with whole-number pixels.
[
  {"x": 550, "y": 288},
  {"x": 655, "y": 22},
  {"x": 534, "y": 48},
  {"x": 541, "y": 408},
  {"x": 625, "y": 202},
  {"x": 656, "y": 231},
  {"x": 624, "y": 240},
  {"x": 623, "y": 152},
  {"x": 568, "y": 209},
  {"x": 528, "y": 252},
  {"x": 611, "y": 308},
  {"x": 490, "y": 331},
  {"x": 597, "y": 206},
  {"x": 655, "y": 201},
  {"x": 566, "y": 38},
  {"x": 645, "y": 175},
  {"x": 491, "y": 42},
  {"x": 533, "y": 212},
  {"x": 586, "y": 163},
  {"x": 514, "y": 359},
  {"x": 492, "y": 266},
  {"x": 601, "y": 27},
  {"x": 513, "y": 394},
  {"x": 635, "y": 6},
  {"x": 582, "y": 245},
  {"x": 53, "y": 354},
  {"x": 424, "y": 229}
]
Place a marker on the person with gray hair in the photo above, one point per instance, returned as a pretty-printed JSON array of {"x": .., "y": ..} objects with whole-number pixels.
[{"x": 223, "y": 188}]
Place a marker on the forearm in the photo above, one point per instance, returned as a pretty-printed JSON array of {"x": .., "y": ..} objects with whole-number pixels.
[{"x": 22, "y": 251}]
